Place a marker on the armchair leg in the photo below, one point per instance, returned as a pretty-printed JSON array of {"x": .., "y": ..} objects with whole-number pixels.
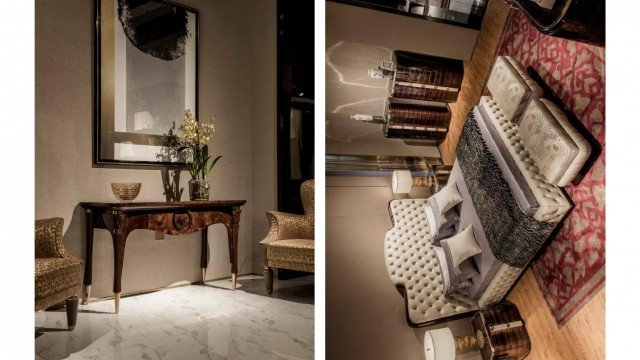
[
  {"x": 71, "y": 305},
  {"x": 268, "y": 279},
  {"x": 87, "y": 294}
]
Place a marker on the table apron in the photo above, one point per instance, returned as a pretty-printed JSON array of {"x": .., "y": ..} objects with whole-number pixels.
[{"x": 181, "y": 222}]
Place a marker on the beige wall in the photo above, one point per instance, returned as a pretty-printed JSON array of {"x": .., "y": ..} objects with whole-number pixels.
[
  {"x": 357, "y": 39},
  {"x": 64, "y": 172},
  {"x": 263, "y": 121},
  {"x": 359, "y": 293}
]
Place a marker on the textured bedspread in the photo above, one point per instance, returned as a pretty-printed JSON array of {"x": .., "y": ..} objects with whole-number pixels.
[{"x": 513, "y": 236}]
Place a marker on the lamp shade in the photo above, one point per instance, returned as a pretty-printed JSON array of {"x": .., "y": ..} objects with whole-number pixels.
[
  {"x": 401, "y": 181},
  {"x": 439, "y": 344}
]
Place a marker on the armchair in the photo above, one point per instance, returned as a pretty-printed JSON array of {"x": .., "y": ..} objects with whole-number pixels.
[
  {"x": 580, "y": 20},
  {"x": 58, "y": 273},
  {"x": 289, "y": 243}
]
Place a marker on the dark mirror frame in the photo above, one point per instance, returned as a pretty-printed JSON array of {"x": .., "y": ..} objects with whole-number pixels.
[{"x": 97, "y": 160}]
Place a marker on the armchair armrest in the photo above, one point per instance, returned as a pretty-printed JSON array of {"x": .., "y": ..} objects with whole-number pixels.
[
  {"x": 544, "y": 19},
  {"x": 48, "y": 239},
  {"x": 283, "y": 226}
]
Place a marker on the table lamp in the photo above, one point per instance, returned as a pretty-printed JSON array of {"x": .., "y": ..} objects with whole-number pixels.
[
  {"x": 440, "y": 344},
  {"x": 402, "y": 181}
]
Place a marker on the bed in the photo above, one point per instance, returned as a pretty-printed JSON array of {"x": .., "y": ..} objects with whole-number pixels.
[{"x": 511, "y": 196}]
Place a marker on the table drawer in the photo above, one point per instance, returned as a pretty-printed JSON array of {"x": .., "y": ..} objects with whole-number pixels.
[{"x": 184, "y": 222}]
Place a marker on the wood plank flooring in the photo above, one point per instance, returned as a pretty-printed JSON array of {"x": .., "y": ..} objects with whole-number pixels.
[
  {"x": 583, "y": 337},
  {"x": 476, "y": 72}
]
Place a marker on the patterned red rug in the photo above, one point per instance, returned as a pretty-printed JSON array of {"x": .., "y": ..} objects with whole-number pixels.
[{"x": 572, "y": 269}]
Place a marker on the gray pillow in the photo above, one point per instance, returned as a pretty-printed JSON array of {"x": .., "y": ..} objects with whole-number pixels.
[
  {"x": 443, "y": 234},
  {"x": 450, "y": 218},
  {"x": 446, "y": 278},
  {"x": 458, "y": 275},
  {"x": 442, "y": 221}
]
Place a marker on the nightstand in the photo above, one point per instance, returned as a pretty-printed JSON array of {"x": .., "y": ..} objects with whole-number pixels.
[{"x": 500, "y": 333}]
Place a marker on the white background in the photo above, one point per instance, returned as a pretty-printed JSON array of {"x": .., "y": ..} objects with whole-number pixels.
[{"x": 17, "y": 179}]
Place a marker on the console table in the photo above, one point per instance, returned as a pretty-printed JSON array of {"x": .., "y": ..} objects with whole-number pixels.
[{"x": 172, "y": 218}]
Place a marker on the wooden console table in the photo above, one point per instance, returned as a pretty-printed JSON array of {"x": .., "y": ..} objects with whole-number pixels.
[{"x": 172, "y": 218}]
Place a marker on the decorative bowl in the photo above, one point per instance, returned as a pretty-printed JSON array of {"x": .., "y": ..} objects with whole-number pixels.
[{"x": 126, "y": 191}]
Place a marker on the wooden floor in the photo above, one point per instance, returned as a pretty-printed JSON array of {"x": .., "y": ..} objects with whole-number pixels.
[
  {"x": 583, "y": 337},
  {"x": 476, "y": 72}
]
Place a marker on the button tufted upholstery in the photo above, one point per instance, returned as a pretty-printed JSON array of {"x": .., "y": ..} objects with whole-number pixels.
[
  {"x": 499, "y": 286},
  {"x": 411, "y": 261},
  {"x": 512, "y": 87},
  {"x": 553, "y": 203}
]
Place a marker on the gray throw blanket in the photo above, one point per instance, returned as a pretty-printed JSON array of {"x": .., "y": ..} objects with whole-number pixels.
[{"x": 513, "y": 236}]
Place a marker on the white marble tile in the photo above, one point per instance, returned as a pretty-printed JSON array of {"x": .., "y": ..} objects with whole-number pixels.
[{"x": 191, "y": 322}]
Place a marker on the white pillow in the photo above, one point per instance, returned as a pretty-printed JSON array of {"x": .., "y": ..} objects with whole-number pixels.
[
  {"x": 431, "y": 219},
  {"x": 448, "y": 197},
  {"x": 443, "y": 269},
  {"x": 463, "y": 246}
]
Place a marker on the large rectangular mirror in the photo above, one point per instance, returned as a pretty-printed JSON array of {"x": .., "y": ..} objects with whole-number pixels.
[{"x": 146, "y": 68}]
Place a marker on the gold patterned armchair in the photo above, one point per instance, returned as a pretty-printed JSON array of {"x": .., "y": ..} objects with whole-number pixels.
[
  {"x": 290, "y": 244},
  {"x": 58, "y": 273}
]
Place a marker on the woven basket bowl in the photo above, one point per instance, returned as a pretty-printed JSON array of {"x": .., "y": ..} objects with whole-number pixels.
[{"x": 126, "y": 191}]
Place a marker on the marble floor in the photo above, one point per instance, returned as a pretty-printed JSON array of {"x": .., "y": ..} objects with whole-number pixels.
[{"x": 189, "y": 322}]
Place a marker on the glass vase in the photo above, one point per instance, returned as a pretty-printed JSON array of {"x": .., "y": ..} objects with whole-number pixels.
[{"x": 199, "y": 189}]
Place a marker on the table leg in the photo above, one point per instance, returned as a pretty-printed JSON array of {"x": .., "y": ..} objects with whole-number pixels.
[
  {"x": 119, "y": 241},
  {"x": 233, "y": 246},
  {"x": 88, "y": 255},
  {"x": 204, "y": 253}
]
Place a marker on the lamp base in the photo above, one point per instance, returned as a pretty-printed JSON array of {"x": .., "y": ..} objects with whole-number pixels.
[
  {"x": 422, "y": 181},
  {"x": 467, "y": 343}
]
